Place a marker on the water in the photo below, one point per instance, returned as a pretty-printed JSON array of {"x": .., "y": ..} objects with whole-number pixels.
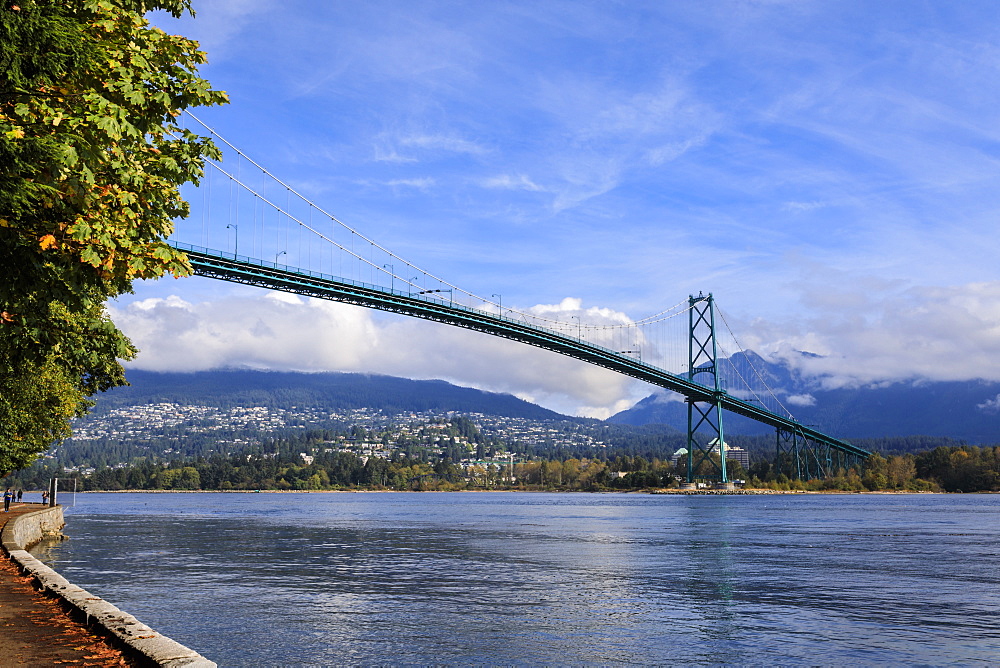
[{"x": 529, "y": 579}]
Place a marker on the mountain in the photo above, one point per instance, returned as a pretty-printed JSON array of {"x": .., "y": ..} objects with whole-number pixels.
[
  {"x": 330, "y": 391},
  {"x": 965, "y": 410}
]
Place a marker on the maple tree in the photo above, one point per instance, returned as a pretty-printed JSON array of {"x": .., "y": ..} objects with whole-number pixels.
[{"x": 91, "y": 161}]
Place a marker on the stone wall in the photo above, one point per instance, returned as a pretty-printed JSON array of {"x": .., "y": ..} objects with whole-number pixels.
[
  {"x": 143, "y": 642},
  {"x": 24, "y": 531}
]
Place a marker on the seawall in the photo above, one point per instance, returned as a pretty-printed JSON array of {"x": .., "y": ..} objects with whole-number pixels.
[{"x": 139, "y": 640}]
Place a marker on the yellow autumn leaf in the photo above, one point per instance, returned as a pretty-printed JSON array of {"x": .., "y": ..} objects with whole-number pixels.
[{"x": 47, "y": 242}]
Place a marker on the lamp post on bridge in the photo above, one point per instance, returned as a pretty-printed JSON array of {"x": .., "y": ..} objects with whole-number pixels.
[
  {"x": 499, "y": 304},
  {"x": 392, "y": 276},
  {"x": 236, "y": 237},
  {"x": 579, "y": 327},
  {"x": 409, "y": 285},
  {"x": 279, "y": 255}
]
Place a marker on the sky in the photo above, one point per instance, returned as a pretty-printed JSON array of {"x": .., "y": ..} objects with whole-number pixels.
[{"x": 830, "y": 171}]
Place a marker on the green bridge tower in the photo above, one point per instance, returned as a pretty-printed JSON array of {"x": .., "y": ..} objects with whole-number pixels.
[{"x": 704, "y": 417}]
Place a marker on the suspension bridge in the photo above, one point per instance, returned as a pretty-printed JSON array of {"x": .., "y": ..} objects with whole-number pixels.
[{"x": 247, "y": 226}]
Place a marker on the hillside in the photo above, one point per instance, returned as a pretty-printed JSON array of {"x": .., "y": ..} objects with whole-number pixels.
[
  {"x": 184, "y": 415},
  {"x": 329, "y": 391},
  {"x": 171, "y": 415}
]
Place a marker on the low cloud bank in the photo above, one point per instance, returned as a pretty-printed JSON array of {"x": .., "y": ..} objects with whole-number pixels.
[
  {"x": 934, "y": 334},
  {"x": 286, "y": 332},
  {"x": 882, "y": 336}
]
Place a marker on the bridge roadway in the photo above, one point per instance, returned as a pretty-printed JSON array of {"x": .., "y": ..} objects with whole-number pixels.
[{"x": 240, "y": 269}]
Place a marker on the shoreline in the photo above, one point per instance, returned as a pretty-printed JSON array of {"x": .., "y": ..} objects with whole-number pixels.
[
  {"x": 140, "y": 642},
  {"x": 653, "y": 492}
]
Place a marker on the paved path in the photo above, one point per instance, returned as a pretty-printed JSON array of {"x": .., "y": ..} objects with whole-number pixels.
[{"x": 34, "y": 629}]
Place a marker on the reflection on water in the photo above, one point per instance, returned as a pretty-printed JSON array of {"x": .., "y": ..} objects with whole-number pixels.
[{"x": 508, "y": 578}]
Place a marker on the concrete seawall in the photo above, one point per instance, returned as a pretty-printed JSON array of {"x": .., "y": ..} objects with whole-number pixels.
[{"x": 141, "y": 641}]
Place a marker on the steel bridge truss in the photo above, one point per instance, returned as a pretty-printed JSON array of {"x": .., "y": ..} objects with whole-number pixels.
[
  {"x": 799, "y": 457},
  {"x": 705, "y": 404}
]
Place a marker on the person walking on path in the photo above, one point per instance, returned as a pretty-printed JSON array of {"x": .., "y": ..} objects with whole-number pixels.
[
  {"x": 20, "y": 495},
  {"x": 8, "y": 496}
]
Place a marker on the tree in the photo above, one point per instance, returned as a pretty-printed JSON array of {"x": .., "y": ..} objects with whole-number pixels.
[
  {"x": 875, "y": 472},
  {"x": 91, "y": 160},
  {"x": 35, "y": 406},
  {"x": 899, "y": 470},
  {"x": 571, "y": 471}
]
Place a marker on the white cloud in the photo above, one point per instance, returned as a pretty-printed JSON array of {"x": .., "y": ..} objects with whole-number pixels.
[
  {"x": 990, "y": 405},
  {"x": 613, "y": 132},
  {"x": 443, "y": 143},
  {"x": 384, "y": 154},
  {"x": 286, "y": 332},
  {"x": 890, "y": 333},
  {"x": 276, "y": 331},
  {"x": 918, "y": 333},
  {"x": 803, "y": 206},
  {"x": 801, "y": 400},
  {"x": 664, "y": 397},
  {"x": 508, "y": 182},
  {"x": 419, "y": 184},
  {"x": 584, "y": 177}
]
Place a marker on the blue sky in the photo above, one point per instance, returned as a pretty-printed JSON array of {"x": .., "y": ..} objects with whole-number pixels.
[{"x": 829, "y": 170}]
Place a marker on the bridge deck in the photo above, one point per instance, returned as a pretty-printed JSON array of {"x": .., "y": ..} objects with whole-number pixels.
[{"x": 240, "y": 269}]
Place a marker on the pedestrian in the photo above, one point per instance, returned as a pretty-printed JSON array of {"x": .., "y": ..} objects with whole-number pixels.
[
  {"x": 45, "y": 497},
  {"x": 20, "y": 495},
  {"x": 8, "y": 496}
]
